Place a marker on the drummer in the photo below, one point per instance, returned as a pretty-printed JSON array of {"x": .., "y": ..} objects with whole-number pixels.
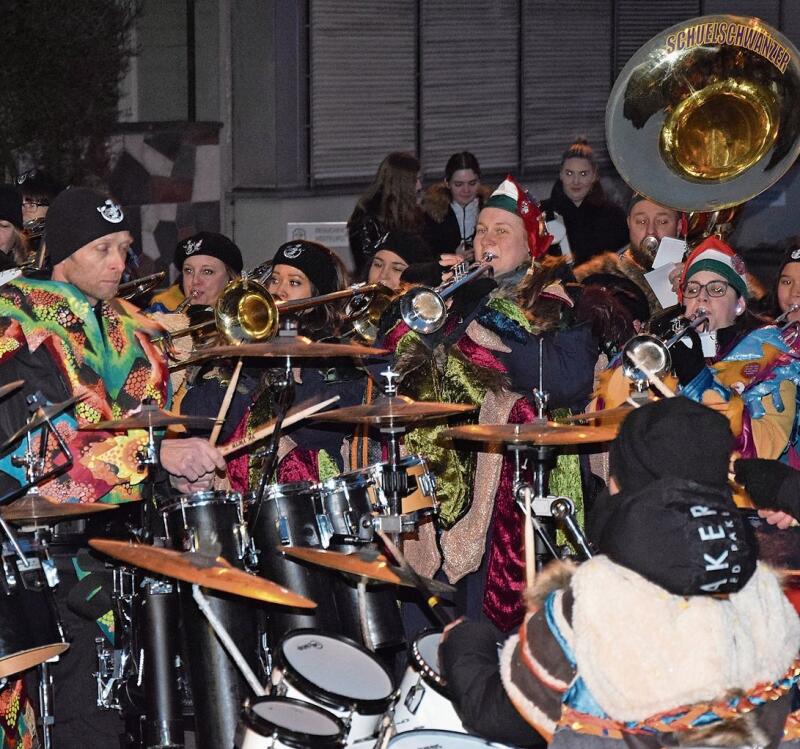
[
  {"x": 488, "y": 353},
  {"x": 70, "y": 337}
]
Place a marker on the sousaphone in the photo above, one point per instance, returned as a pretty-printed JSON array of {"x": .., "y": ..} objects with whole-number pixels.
[{"x": 706, "y": 115}]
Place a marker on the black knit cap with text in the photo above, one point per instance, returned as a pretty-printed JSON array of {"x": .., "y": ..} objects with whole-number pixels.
[{"x": 77, "y": 217}]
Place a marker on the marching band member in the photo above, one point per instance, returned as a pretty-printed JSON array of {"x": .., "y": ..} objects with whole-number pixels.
[
  {"x": 14, "y": 249},
  {"x": 673, "y": 635},
  {"x": 395, "y": 253},
  {"x": 488, "y": 353},
  {"x": 69, "y": 336}
]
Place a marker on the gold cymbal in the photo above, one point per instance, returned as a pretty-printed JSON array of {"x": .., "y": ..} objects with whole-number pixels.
[
  {"x": 51, "y": 411},
  {"x": 396, "y": 410},
  {"x": 366, "y": 563},
  {"x": 294, "y": 346},
  {"x": 149, "y": 416},
  {"x": 610, "y": 414},
  {"x": 11, "y": 387},
  {"x": 532, "y": 434},
  {"x": 34, "y": 507},
  {"x": 210, "y": 572}
]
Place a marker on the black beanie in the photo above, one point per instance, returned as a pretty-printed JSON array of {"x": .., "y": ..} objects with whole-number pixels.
[
  {"x": 11, "y": 205},
  {"x": 212, "y": 244},
  {"x": 406, "y": 246},
  {"x": 313, "y": 259},
  {"x": 671, "y": 437},
  {"x": 80, "y": 215}
]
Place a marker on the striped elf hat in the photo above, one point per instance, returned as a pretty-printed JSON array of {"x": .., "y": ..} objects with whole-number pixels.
[
  {"x": 714, "y": 255},
  {"x": 514, "y": 198}
]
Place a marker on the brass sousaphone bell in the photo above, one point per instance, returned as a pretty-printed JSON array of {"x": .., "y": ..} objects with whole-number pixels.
[{"x": 706, "y": 115}]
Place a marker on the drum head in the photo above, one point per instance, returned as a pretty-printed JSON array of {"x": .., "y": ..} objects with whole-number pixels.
[
  {"x": 291, "y": 723},
  {"x": 426, "y": 649},
  {"x": 200, "y": 499},
  {"x": 336, "y": 666},
  {"x": 440, "y": 739}
]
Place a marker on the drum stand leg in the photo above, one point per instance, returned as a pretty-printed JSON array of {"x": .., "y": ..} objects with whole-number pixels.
[{"x": 46, "y": 717}]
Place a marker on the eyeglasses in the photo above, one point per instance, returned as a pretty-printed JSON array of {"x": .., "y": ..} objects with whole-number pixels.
[
  {"x": 692, "y": 289},
  {"x": 31, "y": 203}
]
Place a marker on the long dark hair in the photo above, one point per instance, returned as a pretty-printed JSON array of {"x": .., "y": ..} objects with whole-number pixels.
[{"x": 392, "y": 196}]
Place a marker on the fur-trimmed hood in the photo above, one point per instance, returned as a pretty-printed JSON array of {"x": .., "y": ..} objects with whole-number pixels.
[
  {"x": 619, "y": 265},
  {"x": 436, "y": 200}
]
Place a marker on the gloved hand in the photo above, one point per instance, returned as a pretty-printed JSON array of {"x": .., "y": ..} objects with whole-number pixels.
[
  {"x": 687, "y": 357},
  {"x": 771, "y": 484}
]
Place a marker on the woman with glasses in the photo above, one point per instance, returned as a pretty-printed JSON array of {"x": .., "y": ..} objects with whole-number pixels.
[{"x": 733, "y": 361}]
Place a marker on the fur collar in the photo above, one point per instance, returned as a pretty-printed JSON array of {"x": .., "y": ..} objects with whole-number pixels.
[
  {"x": 437, "y": 198},
  {"x": 618, "y": 265}
]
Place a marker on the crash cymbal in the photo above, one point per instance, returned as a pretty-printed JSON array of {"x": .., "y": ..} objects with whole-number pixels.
[
  {"x": 294, "y": 346},
  {"x": 396, "y": 410},
  {"x": 34, "y": 508},
  {"x": 607, "y": 414},
  {"x": 50, "y": 411},
  {"x": 365, "y": 563},
  {"x": 210, "y": 572},
  {"x": 150, "y": 416},
  {"x": 532, "y": 434}
]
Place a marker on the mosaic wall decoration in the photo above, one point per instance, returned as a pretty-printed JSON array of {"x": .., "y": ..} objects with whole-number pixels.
[{"x": 167, "y": 177}]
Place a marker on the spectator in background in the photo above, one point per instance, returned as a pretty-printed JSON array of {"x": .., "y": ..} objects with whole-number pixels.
[
  {"x": 594, "y": 224},
  {"x": 389, "y": 203},
  {"x": 452, "y": 206}
]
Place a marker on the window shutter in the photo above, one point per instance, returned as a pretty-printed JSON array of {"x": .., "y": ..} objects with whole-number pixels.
[
  {"x": 363, "y": 85},
  {"x": 566, "y": 77},
  {"x": 468, "y": 70}
]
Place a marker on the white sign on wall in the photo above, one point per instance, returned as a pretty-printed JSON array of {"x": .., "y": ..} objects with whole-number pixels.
[{"x": 333, "y": 234}]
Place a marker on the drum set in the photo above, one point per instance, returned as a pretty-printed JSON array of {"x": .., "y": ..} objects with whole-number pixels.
[{"x": 266, "y": 618}]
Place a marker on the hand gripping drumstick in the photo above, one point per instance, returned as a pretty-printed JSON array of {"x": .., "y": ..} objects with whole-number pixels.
[{"x": 296, "y": 414}]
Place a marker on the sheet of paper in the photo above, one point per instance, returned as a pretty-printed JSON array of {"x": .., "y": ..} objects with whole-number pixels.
[
  {"x": 658, "y": 278},
  {"x": 670, "y": 251}
]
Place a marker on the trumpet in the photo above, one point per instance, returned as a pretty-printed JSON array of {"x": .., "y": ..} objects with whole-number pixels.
[
  {"x": 139, "y": 286},
  {"x": 424, "y": 309},
  {"x": 652, "y": 353},
  {"x": 783, "y": 319}
]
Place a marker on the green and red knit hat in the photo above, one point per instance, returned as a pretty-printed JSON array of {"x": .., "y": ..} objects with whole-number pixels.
[
  {"x": 714, "y": 255},
  {"x": 514, "y": 198}
]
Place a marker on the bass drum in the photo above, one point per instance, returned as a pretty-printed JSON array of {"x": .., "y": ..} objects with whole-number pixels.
[
  {"x": 293, "y": 515},
  {"x": 212, "y": 523},
  {"x": 439, "y": 740},
  {"x": 424, "y": 702},
  {"x": 337, "y": 675},
  {"x": 271, "y": 722}
]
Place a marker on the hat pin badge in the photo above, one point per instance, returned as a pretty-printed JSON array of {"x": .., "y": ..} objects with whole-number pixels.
[
  {"x": 293, "y": 252},
  {"x": 193, "y": 246},
  {"x": 111, "y": 212}
]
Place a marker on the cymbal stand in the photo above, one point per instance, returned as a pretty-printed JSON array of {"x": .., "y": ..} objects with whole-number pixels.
[{"x": 395, "y": 479}]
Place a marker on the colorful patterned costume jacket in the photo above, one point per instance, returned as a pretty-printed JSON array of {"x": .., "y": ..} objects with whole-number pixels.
[{"x": 52, "y": 338}]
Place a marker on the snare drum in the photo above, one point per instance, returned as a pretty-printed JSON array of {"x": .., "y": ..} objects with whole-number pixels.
[
  {"x": 213, "y": 522},
  {"x": 336, "y": 674},
  {"x": 438, "y": 740},
  {"x": 419, "y": 494},
  {"x": 29, "y": 622},
  {"x": 293, "y": 515},
  {"x": 424, "y": 702},
  {"x": 271, "y": 722}
]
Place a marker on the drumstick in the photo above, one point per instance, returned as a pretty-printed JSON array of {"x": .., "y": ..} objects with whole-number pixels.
[
  {"x": 226, "y": 403},
  {"x": 530, "y": 544},
  {"x": 295, "y": 415},
  {"x": 655, "y": 380}
]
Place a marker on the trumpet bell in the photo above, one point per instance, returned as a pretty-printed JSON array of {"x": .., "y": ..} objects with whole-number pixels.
[
  {"x": 423, "y": 310},
  {"x": 648, "y": 351},
  {"x": 705, "y": 115}
]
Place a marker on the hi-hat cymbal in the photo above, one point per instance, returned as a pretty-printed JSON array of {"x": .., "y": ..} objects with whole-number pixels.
[
  {"x": 366, "y": 563},
  {"x": 292, "y": 346},
  {"x": 34, "y": 508},
  {"x": 49, "y": 412},
  {"x": 210, "y": 572},
  {"x": 396, "y": 410},
  {"x": 532, "y": 434},
  {"x": 150, "y": 416}
]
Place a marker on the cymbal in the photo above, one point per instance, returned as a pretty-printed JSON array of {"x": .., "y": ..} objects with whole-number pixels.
[
  {"x": 149, "y": 416},
  {"x": 532, "y": 434},
  {"x": 398, "y": 409},
  {"x": 366, "y": 563},
  {"x": 35, "y": 507},
  {"x": 210, "y": 572},
  {"x": 294, "y": 346},
  {"x": 50, "y": 411},
  {"x": 611, "y": 414}
]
